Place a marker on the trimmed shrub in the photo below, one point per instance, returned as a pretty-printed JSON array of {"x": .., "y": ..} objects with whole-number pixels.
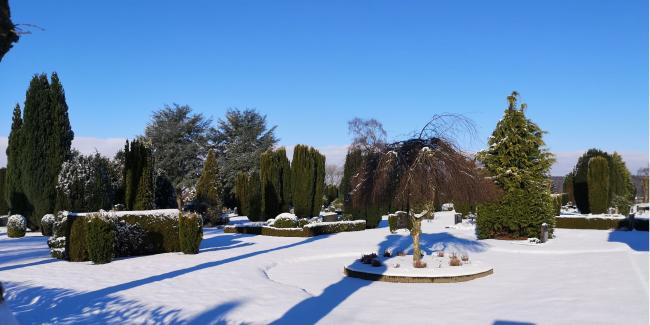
[
  {"x": 399, "y": 220},
  {"x": 557, "y": 204},
  {"x": 600, "y": 223},
  {"x": 190, "y": 232},
  {"x": 312, "y": 229},
  {"x": 76, "y": 240},
  {"x": 100, "y": 238},
  {"x": 16, "y": 226},
  {"x": 129, "y": 239},
  {"x": 302, "y": 222},
  {"x": 286, "y": 220},
  {"x": 47, "y": 223},
  {"x": 323, "y": 228}
]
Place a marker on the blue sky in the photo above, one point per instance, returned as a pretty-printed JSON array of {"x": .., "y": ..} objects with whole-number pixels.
[{"x": 582, "y": 66}]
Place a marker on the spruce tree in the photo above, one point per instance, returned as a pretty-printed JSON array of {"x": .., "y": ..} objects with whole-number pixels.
[
  {"x": 520, "y": 163},
  {"x": 598, "y": 184},
  {"x": 208, "y": 188},
  {"x": 275, "y": 177},
  {"x": 14, "y": 194}
]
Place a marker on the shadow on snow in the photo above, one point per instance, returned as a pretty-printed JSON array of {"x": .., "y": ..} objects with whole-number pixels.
[{"x": 637, "y": 240}]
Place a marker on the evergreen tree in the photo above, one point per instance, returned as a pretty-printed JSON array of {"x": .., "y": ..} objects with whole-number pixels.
[
  {"x": 567, "y": 187},
  {"x": 242, "y": 193},
  {"x": 165, "y": 193},
  {"x": 353, "y": 162},
  {"x": 580, "y": 179},
  {"x": 319, "y": 181},
  {"x": 239, "y": 141},
  {"x": 85, "y": 184},
  {"x": 8, "y": 34},
  {"x": 45, "y": 141},
  {"x": 247, "y": 188},
  {"x": 14, "y": 194},
  {"x": 4, "y": 207},
  {"x": 208, "y": 188},
  {"x": 520, "y": 163},
  {"x": 145, "y": 195},
  {"x": 275, "y": 177},
  {"x": 598, "y": 184}
]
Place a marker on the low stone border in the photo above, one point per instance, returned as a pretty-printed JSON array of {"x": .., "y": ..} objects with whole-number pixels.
[{"x": 413, "y": 279}]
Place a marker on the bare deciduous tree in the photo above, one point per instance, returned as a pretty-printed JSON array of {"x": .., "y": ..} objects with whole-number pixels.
[
  {"x": 333, "y": 174},
  {"x": 368, "y": 135}
]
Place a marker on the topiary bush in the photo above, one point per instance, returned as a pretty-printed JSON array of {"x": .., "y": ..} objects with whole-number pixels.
[
  {"x": 190, "y": 232},
  {"x": 302, "y": 222},
  {"x": 286, "y": 220},
  {"x": 16, "y": 226},
  {"x": 130, "y": 239},
  {"x": 100, "y": 238},
  {"x": 47, "y": 224},
  {"x": 76, "y": 240}
]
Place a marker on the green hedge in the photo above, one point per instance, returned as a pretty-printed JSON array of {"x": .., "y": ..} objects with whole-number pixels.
[
  {"x": 190, "y": 232},
  {"x": 310, "y": 230},
  {"x": 161, "y": 234},
  {"x": 399, "y": 220},
  {"x": 599, "y": 223},
  {"x": 100, "y": 238}
]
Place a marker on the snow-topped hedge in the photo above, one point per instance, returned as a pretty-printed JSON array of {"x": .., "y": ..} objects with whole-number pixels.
[
  {"x": 309, "y": 230},
  {"x": 600, "y": 222},
  {"x": 16, "y": 226},
  {"x": 137, "y": 233},
  {"x": 47, "y": 223}
]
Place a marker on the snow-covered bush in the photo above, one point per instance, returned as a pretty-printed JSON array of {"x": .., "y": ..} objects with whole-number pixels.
[
  {"x": 302, "y": 222},
  {"x": 85, "y": 183},
  {"x": 190, "y": 232},
  {"x": 399, "y": 220},
  {"x": 100, "y": 238},
  {"x": 270, "y": 222},
  {"x": 16, "y": 226},
  {"x": 47, "y": 223},
  {"x": 322, "y": 228},
  {"x": 286, "y": 220},
  {"x": 129, "y": 239}
]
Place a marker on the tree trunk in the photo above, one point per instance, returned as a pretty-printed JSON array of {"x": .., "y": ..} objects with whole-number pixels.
[{"x": 415, "y": 234}]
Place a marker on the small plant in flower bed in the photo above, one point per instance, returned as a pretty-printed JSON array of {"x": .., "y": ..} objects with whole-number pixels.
[
  {"x": 285, "y": 220},
  {"x": 419, "y": 264},
  {"x": 302, "y": 222},
  {"x": 441, "y": 254},
  {"x": 387, "y": 253},
  {"x": 454, "y": 261},
  {"x": 401, "y": 253},
  {"x": 376, "y": 263},
  {"x": 464, "y": 258},
  {"x": 367, "y": 258}
]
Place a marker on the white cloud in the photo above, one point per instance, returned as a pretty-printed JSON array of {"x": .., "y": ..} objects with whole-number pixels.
[{"x": 86, "y": 145}]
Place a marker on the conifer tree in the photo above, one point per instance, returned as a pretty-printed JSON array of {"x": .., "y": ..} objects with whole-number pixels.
[
  {"x": 319, "y": 181},
  {"x": 208, "y": 188},
  {"x": 567, "y": 187},
  {"x": 145, "y": 196},
  {"x": 598, "y": 184},
  {"x": 275, "y": 177},
  {"x": 248, "y": 193},
  {"x": 353, "y": 162},
  {"x": 14, "y": 194},
  {"x": 4, "y": 207},
  {"x": 242, "y": 193},
  {"x": 308, "y": 180},
  {"x": 137, "y": 162},
  {"x": 520, "y": 163}
]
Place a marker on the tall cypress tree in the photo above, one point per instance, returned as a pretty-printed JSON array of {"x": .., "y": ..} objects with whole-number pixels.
[
  {"x": 580, "y": 179},
  {"x": 353, "y": 162},
  {"x": 14, "y": 194},
  {"x": 308, "y": 180},
  {"x": 598, "y": 184},
  {"x": 242, "y": 193},
  {"x": 567, "y": 187},
  {"x": 208, "y": 188},
  {"x": 145, "y": 196},
  {"x": 248, "y": 194},
  {"x": 319, "y": 181},
  {"x": 275, "y": 177},
  {"x": 4, "y": 207},
  {"x": 137, "y": 162}
]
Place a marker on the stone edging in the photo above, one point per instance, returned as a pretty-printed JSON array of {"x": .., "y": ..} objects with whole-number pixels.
[{"x": 411, "y": 279}]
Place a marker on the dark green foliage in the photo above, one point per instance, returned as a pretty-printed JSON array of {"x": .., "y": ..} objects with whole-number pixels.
[
  {"x": 598, "y": 184},
  {"x": 567, "y": 188},
  {"x": 599, "y": 223},
  {"x": 399, "y": 220},
  {"x": 518, "y": 215},
  {"x": 16, "y": 226},
  {"x": 353, "y": 161},
  {"x": 285, "y": 223},
  {"x": 580, "y": 187},
  {"x": 557, "y": 204},
  {"x": 138, "y": 176},
  {"x": 190, "y": 232},
  {"x": 165, "y": 194},
  {"x": 239, "y": 141},
  {"x": 208, "y": 188},
  {"x": 8, "y": 34},
  {"x": 100, "y": 238},
  {"x": 4, "y": 207},
  {"x": 14, "y": 194},
  {"x": 519, "y": 162},
  {"x": 275, "y": 177},
  {"x": 308, "y": 180},
  {"x": 76, "y": 240},
  {"x": 47, "y": 225},
  {"x": 249, "y": 196}
]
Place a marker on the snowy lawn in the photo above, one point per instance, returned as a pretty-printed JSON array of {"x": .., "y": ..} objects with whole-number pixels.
[{"x": 580, "y": 277}]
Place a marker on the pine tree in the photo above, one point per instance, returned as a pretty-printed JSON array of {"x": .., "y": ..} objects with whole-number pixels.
[
  {"x": 208, "y": 188},
  {"x": 275, "y": 177},
  {"x": 14, "y": 194},
  {"x": 598, "y": 184},
  {"x": 520, "y": 163}
]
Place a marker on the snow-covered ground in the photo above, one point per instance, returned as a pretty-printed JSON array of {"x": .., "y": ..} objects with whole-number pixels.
[{"x": 580, "y": 277}]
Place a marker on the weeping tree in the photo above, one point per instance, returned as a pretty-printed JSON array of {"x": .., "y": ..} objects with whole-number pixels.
[{"x": 415, "y": 173}]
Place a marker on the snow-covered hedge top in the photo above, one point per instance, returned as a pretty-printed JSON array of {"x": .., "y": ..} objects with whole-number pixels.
[
  {"x": 164, "y": 213},
  {"x": 353, "y": 222},
  {"x": 287, "y": 216},
  {"x": 593, "y": 216},
  {"x": 48, "y": 218},
  {"x": 17, "y": 221},
  {"x": 329, "y": 214}
]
